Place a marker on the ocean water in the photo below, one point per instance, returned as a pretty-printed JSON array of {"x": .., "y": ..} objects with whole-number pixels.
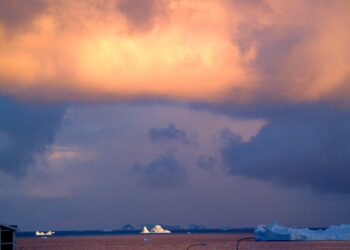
[{"x": 169, "y": 242}]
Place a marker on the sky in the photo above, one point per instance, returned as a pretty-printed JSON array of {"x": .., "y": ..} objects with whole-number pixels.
[{"x": 214, "y": 112}]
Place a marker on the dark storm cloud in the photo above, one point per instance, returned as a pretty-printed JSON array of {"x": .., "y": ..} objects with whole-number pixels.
[
  {"x": 141, "y": 13},
  {"x": 162, "y": 173},
  {"x": 304, "y": 146},
  {"x": 15, "y": 13},
  {"x": 25, "y": 132},
  {"x": 170, "y": 134}
]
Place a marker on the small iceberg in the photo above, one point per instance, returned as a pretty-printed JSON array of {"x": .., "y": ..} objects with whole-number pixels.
[
  {"x": 159, "y": 230},
  {"x": 144, "y": 230},
  {"x": 275, "y": 232}
]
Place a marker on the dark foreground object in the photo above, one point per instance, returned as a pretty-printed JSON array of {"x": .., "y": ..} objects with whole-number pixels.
[
  {"x": 171, "y": 242},
  {"x": 7, "y": 237}
]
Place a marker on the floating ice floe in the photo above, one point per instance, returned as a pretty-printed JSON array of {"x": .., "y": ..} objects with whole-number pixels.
[
  {"x": 157, "y": 229},
  {"x": 275, "y": 232}
]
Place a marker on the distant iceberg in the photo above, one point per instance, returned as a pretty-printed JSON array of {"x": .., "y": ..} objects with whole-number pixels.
[
  {"x": 157, "y": 229},
  {"x": 275, "y": 232},
  {"x": 144, "y": 230}
]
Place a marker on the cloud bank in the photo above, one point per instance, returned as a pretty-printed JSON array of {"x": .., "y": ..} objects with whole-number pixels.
[
  {"x": 231, "y": 51},
  {"x": 16, "y": 14},
  {"x": 305, "y": 146},
  {"x": 26, "y": 131},
  {"x": 170, "y": 134}
]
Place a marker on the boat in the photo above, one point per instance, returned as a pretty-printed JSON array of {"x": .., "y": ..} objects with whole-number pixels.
[{"x": 42, "y": 233}]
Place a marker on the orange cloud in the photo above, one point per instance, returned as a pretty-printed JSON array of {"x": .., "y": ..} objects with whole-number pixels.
[{"x": 206, "y": 50}]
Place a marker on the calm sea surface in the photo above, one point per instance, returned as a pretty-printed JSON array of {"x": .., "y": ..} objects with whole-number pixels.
[{"x": 170, "y": 242}]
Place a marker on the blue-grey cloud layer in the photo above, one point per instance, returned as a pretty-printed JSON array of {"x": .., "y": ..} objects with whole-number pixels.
[
  {"x": 206, "y": 162},
  {"x": 304, "y": 146},
  {"x": 25, "y": 132},
  {"x": 170, "y": 134},
  {"x": 162, "y": 172},
  {"x": 107, "y": 141}
]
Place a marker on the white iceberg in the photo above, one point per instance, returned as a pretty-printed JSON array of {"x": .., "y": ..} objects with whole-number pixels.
[
  {"x": 275, "y": 232},
  {"x": 159, "y": 230},
  {"x": 144, "y": 230}
]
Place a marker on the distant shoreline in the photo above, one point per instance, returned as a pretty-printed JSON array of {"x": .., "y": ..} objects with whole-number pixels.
[{"x": 78, "y": 233}]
